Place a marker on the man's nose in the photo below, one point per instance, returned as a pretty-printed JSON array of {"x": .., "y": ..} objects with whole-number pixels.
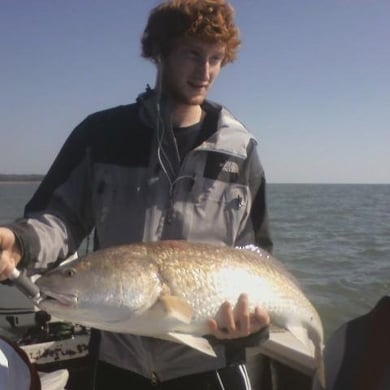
[{"x": 203, "y": 69}]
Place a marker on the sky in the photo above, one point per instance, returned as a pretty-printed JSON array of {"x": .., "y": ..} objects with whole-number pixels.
[{"x": 311, "y": 81}]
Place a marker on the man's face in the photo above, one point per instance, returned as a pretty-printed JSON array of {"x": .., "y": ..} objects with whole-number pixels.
[{"x": 190, "y": 69}]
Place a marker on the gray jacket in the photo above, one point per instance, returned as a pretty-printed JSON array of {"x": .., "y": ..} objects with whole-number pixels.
[{"x": 120, "y": 174}]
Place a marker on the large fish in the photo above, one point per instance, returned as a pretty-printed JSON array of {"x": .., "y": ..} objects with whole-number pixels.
[{"x": 170, "y": 289}]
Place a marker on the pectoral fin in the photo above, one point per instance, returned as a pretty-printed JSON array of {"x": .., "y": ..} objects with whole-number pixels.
[
  {"x": 302, "y": 335},
  {"x": 198, "y": 343},
  {"x": 176, "y": 307}
]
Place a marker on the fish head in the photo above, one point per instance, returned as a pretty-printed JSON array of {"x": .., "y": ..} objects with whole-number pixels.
[{"x": 95, "y": 290}]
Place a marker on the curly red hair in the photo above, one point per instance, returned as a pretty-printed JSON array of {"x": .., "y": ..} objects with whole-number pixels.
[{"x": 208, "y": 20}]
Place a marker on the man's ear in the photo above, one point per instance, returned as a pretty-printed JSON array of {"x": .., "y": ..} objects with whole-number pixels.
[{"x": 159, "y": 64}]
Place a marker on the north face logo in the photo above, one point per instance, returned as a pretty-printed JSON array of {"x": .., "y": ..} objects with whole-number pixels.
[
  {"x": 230, "y": 167},
  {"x": 224, "y": 167}
]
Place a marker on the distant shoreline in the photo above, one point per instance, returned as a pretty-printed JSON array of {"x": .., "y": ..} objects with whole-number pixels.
[
  {"x": 19, "y": 181},
  {"x": 37, "y": 178},
  {"x": 5, "y": 178}
]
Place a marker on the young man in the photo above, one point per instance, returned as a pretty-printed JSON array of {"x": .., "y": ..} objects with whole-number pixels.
[{"x": 170, "y": 166}]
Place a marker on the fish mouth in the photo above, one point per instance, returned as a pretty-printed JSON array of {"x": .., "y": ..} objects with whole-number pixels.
[{"x": 60, "y": 298}]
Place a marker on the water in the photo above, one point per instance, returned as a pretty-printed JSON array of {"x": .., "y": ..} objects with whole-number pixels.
[{"x": 334, "y": 238}]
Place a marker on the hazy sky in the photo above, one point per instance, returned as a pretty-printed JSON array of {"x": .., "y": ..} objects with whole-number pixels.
[{"x": 312, "y": 80}]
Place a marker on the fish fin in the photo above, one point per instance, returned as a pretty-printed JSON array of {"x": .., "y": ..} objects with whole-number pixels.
[
  {"x": 198, "y": 343},
  {"x": 177, "y": 308},
  {"x": 315, "y": 349},
  {"x": 320, "y": 364},
  {"x": 302, "y": 335}
]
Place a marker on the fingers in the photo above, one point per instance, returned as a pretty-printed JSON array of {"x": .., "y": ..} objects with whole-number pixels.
[
  {"x": 238, "y": 321},
  {"x": 260, "y": 318},
  {"x": 242, "y": 315},
  {"x": 228, "y": 319},
  {"x": 225, "y": 328},
  {"x": 6, "y": 265},
  {"x": 9, "y": 253}
]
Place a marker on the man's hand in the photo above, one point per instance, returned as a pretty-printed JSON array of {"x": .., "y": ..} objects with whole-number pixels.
[
  {"x": 9, "y": 253},
  {"x": 238, "y": 321}
]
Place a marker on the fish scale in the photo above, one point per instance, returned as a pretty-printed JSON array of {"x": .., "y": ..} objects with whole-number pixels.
[{"x": 224, "y": 281}]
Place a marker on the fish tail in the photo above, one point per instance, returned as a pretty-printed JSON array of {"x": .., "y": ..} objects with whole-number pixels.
[{"x": 320, "y": 366}]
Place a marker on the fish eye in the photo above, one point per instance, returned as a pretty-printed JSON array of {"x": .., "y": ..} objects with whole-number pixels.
[{"x": 70, "y": 272}]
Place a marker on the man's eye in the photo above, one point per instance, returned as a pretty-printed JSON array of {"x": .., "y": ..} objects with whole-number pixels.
[
  {"x": 193, "y": 54},
  {"x": 216, "y": 59}
]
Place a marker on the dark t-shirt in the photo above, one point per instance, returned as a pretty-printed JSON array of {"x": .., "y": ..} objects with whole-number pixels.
[
  {"x": 189, "y": 137},
  {"x": 186, "y": 138}
]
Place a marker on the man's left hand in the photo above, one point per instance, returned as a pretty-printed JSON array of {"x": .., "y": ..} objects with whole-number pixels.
[{"x": 238, "y": 321}]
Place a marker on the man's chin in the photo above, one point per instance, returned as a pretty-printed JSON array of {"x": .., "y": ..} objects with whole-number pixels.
[
  {"x": 190, "y": 100},
  {"x": 195, "y": 100}
]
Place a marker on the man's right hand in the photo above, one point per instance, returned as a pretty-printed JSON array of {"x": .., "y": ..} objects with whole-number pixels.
[{"x": 9, "y": 253}]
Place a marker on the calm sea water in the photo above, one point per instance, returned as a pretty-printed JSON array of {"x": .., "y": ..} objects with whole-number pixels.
[{"x": 334, "y": 238}]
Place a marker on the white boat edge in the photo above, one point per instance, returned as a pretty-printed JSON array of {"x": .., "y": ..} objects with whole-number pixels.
[
  {"x": 281, "y": 346},
  {"x": 285, "y": 348}
]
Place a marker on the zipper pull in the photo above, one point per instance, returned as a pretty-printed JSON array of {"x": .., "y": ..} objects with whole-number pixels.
[
  {"x": 169, "y": 216},
  {"x": 240, "y": 201},
  {"x": 170, "y": 211},
  {"x": 154, "y": 379}
]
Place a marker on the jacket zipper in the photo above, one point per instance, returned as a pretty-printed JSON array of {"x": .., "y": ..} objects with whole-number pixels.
[
  {"x": 169, "y": 215},
  {"x": 154, "y": 379}
]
